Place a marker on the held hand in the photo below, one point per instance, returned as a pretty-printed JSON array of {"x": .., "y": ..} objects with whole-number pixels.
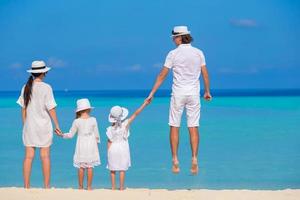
[
  {"x": 207, "y": 96},
  {"x": 149, "y": 99},
  {"x": 58, "y": 132}
]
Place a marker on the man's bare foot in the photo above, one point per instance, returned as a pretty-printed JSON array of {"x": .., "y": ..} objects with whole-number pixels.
[
  {"x": 175, "y": 167},
  {"x": 113, "y": 188},
  {"x": 122, "y": 188},
  {"x": 80, "y": 188},
  {"x": 194, "y": 168},
  {"x": 89, "y": 188}
]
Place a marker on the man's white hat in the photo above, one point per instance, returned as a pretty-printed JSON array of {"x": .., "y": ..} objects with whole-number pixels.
[
  {"x": 180, "y": 30},
  {"x": 83, "y": 104},
  {"x": 117, "y": 113},
  {"x": 38, "y": 66}
]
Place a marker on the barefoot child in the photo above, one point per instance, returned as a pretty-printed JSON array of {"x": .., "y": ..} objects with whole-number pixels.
[
  {"x": 86, "y": 155},
  {"x": 117, "y": 147}
]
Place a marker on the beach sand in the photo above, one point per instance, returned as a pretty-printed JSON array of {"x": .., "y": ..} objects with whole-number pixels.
[{"x": 147, "y": 194}]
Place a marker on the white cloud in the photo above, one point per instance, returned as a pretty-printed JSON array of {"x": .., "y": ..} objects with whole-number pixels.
[
  {"x": 55, "y": 62},
  {"x": 135, "y": 68},
  {"x": 16, "y": 65},
  {"x": 244, "y": 23},
  {"x": 158, "y": 65},
  {"x": 232, "y": 71}
]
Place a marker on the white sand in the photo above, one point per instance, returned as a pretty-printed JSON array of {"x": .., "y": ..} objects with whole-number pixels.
[{"x": 146, "y": 194}]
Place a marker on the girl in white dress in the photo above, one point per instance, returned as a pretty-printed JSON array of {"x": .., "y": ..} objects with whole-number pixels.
[
  {"x": 118, "y": 152},
  {"x": 38, "y": 108},
  {"x": 86, "y": 154}
]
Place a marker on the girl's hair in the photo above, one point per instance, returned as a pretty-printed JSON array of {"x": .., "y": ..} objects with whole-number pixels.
[
  {"x": 28, "y": 88},
  {"x": 79, "y": 113}
]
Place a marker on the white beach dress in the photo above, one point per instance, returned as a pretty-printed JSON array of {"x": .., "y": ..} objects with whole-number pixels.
[
  {"x": 118, "y": 153},
  {"x": 37, "y": 128},
  {"x": 86, "y": 152}
]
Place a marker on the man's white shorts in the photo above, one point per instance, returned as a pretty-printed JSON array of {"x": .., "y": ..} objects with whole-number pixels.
[{"x": 192, "y": 105}]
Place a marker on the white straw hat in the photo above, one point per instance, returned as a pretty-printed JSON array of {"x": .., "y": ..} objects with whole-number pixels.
[
  {"x": 38, "y": 66},
  {"x": 83, "y": 104},
  {"x": 180, "y": 30},
  {"x": 117, "y": 113}
]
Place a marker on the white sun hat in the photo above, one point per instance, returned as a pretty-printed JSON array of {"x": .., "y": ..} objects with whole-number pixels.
[
  {"x": 180, "y": 30},
  {"x": 83, "y": 104},
  {"x": 38, "y": 66},
  {"x": 117, "y": 113}
]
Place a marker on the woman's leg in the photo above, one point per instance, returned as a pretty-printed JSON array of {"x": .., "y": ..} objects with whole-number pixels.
[
  {"x": 45, "y": 157},
  {"x": 29, "y": 155},
  {"x": 89, "y": 178},
  {"x": 122, "y": 178},
  {"x": 113, "y": 179},
  {"x": 80, "y": 178}
]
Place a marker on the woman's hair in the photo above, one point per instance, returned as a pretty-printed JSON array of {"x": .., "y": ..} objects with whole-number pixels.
[
  {"x": 28, "y": 88},
  {"x": 186, "y": 39}
]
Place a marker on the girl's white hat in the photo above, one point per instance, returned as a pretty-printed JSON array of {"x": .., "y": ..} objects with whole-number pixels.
[
  {"x": 83, "y": 104},
  {"x": 38, "y": 66},
  {"x": 117, "y": 113},
  {"x": 180, "y": 30}
]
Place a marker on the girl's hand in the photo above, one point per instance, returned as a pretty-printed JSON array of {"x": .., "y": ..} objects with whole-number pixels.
[{"x": 207, "y": 96}]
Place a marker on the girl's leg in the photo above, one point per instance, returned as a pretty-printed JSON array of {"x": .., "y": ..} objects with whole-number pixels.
[
  {"x": 122, "y": 178},
  {"x": 113, "y": 179},
  {"x": 45, "y": 157},
  {"x": 29, "y": 155},
  {"x": 89, "y": 178},
  {"x": 80, "y": 178}
]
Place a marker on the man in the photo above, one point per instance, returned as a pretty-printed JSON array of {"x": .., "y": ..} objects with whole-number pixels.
[{"x": 187, "y": 63}]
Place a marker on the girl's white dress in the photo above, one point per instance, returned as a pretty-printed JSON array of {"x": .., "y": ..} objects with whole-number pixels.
[
  {"x": 37, "y": 129},
  {"x": 118, "y": 153},
  {"x": 86, "y": 152}
]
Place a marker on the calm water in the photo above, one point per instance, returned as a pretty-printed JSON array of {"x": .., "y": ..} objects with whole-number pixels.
[{"x": 248, "y": 142}]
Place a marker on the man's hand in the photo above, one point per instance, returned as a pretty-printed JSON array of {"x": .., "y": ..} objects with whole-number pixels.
[
  {"x": 58, "y": 132},
  {"x": 207, "y": 96}
]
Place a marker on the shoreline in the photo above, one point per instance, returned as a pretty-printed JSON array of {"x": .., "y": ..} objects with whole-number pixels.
[{"x": 12, "y": 193}]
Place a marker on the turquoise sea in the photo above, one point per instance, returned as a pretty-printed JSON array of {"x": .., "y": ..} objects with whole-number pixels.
[{"x": 248, "y": 139}]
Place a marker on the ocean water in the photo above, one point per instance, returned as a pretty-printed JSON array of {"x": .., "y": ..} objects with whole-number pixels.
[{"x": 247, "y": 141}]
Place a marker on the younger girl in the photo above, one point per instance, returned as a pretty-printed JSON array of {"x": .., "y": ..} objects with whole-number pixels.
[
  {"x": 86, "y": 152},
  {"x": 117, "y": 147}
]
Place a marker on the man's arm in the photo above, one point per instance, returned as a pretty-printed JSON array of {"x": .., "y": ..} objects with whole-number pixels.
[
  {"x": 207, "y": 95},
  {"x": 159, "y": 80}
]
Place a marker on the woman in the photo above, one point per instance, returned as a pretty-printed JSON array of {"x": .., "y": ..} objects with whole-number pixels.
[{"x": 38, "y": 108}]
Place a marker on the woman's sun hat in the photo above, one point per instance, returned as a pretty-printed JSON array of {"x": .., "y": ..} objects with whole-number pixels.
[
  {"x": 117, "y": 113},
  {"x": 180, "y": 30},
  {"x": 38, "y": 66},
  {"x": 83, "y": 104}
]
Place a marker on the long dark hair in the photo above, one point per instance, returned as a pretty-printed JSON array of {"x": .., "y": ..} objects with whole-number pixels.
[{"x": 28, "y": 88}]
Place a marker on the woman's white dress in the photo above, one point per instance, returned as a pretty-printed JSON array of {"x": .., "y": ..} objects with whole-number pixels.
[
  {"x": 37, "y": 128},
  {"x": 86, "y": 152},
  {"x": 118, "y": 153}
]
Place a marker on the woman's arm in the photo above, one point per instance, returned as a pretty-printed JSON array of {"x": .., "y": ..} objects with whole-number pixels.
[
  {"x": 108, "y": 144},
  {"x": 53, "y": 116},
  {"x": 159, "y": 80},
  {"x": 23, "y": 115},
  {"x": 137, "y": 112}
]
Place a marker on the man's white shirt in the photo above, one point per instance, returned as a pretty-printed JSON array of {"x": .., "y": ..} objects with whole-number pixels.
[{"x": 186, "y": 62}]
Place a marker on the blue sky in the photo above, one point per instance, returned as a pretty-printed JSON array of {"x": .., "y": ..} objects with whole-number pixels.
[{"x": 122, "y": 44}]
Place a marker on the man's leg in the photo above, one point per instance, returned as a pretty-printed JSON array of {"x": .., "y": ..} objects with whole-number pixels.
[
  {"x": 174, "y": 141},
  {"x": 193, "y": 117},
  {"x": 176, "y": 109},
  {"x": 194, "y": 140}
]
